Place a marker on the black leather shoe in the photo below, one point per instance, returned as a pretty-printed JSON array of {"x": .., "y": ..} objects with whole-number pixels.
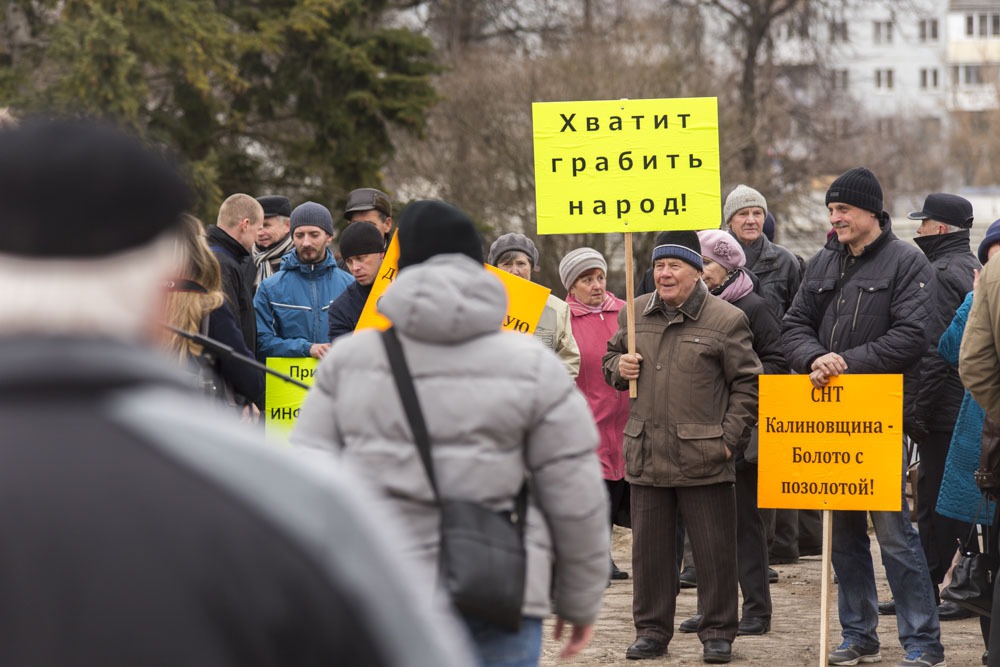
[
  {"x": 887, "y": 608},
  {"x": 690, "y": 625},
  {"x": 754, "y": 625},
  {"x": 949, "y": 611},
  {"x": 717, "y": 651},
  {"x": 772, "y": 575},
  {"x": 688, "y": 578},
  {"x": 645, "y": 648},
  {"x": 617, "y": 574}
]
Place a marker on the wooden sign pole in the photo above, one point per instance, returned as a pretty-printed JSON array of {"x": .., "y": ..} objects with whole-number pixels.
[
  {"x": 824, "y": 597},
  {"x": 629, "y": 306}
]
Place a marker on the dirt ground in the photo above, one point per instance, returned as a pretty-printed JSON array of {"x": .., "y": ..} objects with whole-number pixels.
[{"x": 795, "y": 626}]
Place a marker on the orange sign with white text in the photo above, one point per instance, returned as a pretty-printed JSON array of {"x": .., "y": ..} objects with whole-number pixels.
[{"x": 837, "y": 447}]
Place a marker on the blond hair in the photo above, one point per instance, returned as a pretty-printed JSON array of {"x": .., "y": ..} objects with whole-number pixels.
[
  {"x": 239, "y": 207},
  {"x": 187, "y": 310}
]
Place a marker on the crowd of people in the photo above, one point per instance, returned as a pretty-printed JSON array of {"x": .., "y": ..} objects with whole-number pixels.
[{"x": 245, "y": 553}]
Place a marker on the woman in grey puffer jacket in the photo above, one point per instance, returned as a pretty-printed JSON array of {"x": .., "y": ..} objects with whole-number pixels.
[{"x": 498, "y": 405}]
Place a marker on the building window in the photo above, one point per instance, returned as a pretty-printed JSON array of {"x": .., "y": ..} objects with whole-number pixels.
[
  {"x": 970, "y": 25},
  {"x": 883, "y": 79},
  {"x": 928, "y": 30},
  {"x": 928, "y": 77},
  {"x": 839, "y": 79},
  {"x": 838, "y": 31},
  {"x": 883, "y": 32},
  {"x": 983, "y": 25},
  {"x": 995, "y": 25},
  {"x": 968, "y": 75}
]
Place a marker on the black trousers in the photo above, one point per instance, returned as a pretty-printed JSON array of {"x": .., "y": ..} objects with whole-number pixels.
[
  {"x": 939, "y": 535},
  {"x": 751, "y": 545},
  {"x": 710, "y": 519}
]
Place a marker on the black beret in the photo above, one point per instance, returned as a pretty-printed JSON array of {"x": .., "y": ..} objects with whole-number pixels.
[
  {"x": 75, "y": 188},
  {"x": 275, "y": 205}
]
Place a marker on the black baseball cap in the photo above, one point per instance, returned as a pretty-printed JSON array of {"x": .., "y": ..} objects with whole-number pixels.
[
  {"x": 949, "y": 209},
  {"x": 367, "y": 199}
]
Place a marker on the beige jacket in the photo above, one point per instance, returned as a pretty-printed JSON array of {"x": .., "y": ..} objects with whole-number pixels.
[
  {"x": 979, "y": 356},
  {"x": 555, "y": 330}
]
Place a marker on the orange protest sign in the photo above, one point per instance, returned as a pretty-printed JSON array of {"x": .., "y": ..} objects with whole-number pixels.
[
  {"x": 370, "y": 317},
  {"x": 525, "y": 299},
  {"x": 834, "y": 448}
]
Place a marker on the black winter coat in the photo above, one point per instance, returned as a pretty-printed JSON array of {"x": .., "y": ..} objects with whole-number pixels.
[
  {"x": 345, "y": 311},
  {"x": 238, "y": 275},
  {"x": 779, "y": 273},
  {"x": 876, "y": 320},
  {"x": 941, "y": 390}
]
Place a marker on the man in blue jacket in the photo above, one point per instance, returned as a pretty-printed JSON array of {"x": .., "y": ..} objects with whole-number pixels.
[{"x": 292, "y": 304}]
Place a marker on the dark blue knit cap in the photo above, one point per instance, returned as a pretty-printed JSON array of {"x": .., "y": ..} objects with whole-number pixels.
[{"x": 683, "y": 245}]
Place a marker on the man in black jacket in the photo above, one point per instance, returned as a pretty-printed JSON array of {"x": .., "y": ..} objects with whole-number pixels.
[
  {"x": 943, "y": 235},
  {"x": 140, "y": 526},
  {"x": 361, "y": 247},
  {"x": 231, "y": 240},
  {"x": 863, "y": 308}
]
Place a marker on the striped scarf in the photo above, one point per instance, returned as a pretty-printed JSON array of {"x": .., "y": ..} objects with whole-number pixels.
[{"x": 264, "y": 258}]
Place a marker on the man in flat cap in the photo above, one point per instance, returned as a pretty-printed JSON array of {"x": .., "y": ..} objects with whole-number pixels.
[
  {"x": 943, "y": 235},
  {"x": 140, "y": 525},
  {"x": 274, "y": 238},
  {"x": 361, "y": 248},
  {"x": 372, "y": 206},
  {"x": 292, "y": 304}
]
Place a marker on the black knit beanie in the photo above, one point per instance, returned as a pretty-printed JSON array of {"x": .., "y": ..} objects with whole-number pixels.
[
  {"x": 432, "y": 227},
  {"x": 361, "y": 238},
  {"x": 76, "y": 188},
  {"x": 857, "y": 187}
]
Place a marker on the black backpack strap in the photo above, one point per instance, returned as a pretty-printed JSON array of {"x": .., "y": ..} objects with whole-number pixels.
[{"x": 411, "y": 404}]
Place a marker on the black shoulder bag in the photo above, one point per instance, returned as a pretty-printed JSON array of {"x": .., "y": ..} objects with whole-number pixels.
[
  {"x": 971, "y": 584},
  {"x": 481, "y": 556}
]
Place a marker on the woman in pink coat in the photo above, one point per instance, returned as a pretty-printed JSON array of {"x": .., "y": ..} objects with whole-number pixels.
[{"x": 594, "y": 313}]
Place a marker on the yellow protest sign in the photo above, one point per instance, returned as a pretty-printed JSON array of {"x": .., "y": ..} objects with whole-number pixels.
[
  {"x": 282, "y": 399},
  {"x": 835, "y": 448},
  {"x": 525, "y": 299},
  {"x": 627, "y": 165},
  {"x": 370, "y": 317}
]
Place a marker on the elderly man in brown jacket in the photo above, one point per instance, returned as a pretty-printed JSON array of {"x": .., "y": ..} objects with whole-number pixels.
[{"x": 697, "y": 401}]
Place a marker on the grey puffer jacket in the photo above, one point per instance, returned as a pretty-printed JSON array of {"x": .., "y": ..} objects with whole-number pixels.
[
  {"x": 876, "y": 320},
  {"x": 498, "y": 405}
]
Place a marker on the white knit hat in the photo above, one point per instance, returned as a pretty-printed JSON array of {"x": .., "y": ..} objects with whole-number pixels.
[
  {"x": 742, "y": 196},
  {"x": 577, "y": 262}
]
